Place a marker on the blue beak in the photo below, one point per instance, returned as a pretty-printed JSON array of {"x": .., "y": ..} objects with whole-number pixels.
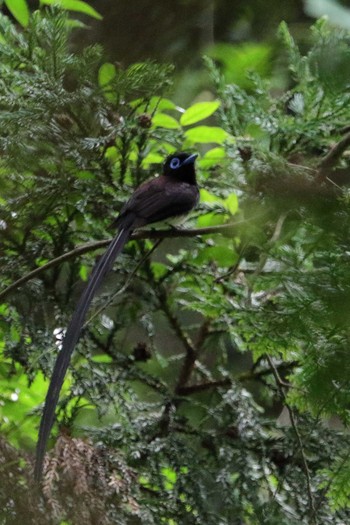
[{"x": 190, "y": 159}]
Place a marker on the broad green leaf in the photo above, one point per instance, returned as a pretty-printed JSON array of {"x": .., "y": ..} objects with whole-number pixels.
[
  {"x": 158, "y": 269},
  {"x": 152, "y": 158},
  {"x": 206, "y": 134},
  {"x": 15, "y": 335},
  {"x": 170, "y": 478},
  {"x": 231, "y": 203},
  {"x": 160, "y": 104},
  {"x": 223, "y": 255},
  {"x": 153, "y": 104},
  {"x": 76, "y": 24},
  {"x": 106, "y": 74},
  {"x": 161, "y": 120},
  {"x": 84, "y": 272},
  {"x": 19, "y": 9},
  {"x": 86, "y": 175},
  {"x": 206, "y": 196},
  {"x": 199, "y": 111},
  {"x": 169, "y": 474},
  {"x": 211, "y": 219},
  {"x": 4, "y": 309},
  {"x": 40, "y": 261},
  {"x": 112, "y": 154},
  {"x": 74, "y": 5},
  {"x": 102, "y": 358},
  {"x": 212, "y": 157}
]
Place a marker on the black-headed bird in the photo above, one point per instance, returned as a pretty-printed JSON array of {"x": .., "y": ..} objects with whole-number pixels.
[{"x": 170, "y": 196}]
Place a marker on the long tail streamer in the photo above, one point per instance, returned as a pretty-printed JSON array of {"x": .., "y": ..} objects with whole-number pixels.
[{"x": 70, "y": 340}]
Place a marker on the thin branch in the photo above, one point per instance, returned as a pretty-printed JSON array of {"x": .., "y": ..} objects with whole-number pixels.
[
  {"x": 281, "y": 386},
  {"x": 202, "y": 387},
  {"x": 191, "y": 356},
  {"x": 250, "y": 375},
  {"x": 95, "y": 245},
  {"x": 265, "y": 255},
  {"x": 332, "y": 157},
  {"x": 233, "y": 268},
  {"x": 174, "y": 323},
  {"x": 274, "y": 238},
  {"x": 190, "y": 348}
]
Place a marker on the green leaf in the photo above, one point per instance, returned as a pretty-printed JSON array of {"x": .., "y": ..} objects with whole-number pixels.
[
  {"x": 84, "y": 272},
  {"x": 76, "y": 24},
  {"x": 207, "y": 134},
  {"x": 106, "y": 74},
  {"x": 19, "y": 9},
  {"x": 102, "y": 358},
  {"x": 158, "y": 103},
  {"x": 211, "y": 219},
  {"x": 15, "y": 335},
  {"x": 158, "y": 269},
  {"x": 74, "y": 5},
  {"x": 152, "y": 158},
  {"x": 231, "y": 203},
  {"x": 198, "y": 112},
  {"x": 41, "y": 261},
  {"x": 153, "y": 104},
  {"x": 212, "y": 157},
  {"x": 224, "y": 256},
  {"x": 161, "y": 120},
  {"x": 206, "y": 196},
  {"x": 169, "y": 478},
  {"x": 4, "y": 309}
]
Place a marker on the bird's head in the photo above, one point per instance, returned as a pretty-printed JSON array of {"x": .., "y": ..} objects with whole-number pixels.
[{"x": 181, "y": 166}]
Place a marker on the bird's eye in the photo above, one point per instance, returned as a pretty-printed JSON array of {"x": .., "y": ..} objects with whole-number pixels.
[{"x": 174, "y": 163}]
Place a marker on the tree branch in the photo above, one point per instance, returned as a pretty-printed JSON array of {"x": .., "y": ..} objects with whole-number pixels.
[
  {"x": 191, "y": 356},
  {"x": 250, "y": 375},
  {"x": 281, "y": 387},
  {"x": 95, "y": 245},
  {"x": 329, "y": 161}
]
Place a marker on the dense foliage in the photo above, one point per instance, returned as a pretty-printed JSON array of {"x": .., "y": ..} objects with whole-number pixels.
[{"x": 211, "y": 382}]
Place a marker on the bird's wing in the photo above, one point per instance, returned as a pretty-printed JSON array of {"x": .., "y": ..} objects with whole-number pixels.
[{"x": 160, "y": 199}]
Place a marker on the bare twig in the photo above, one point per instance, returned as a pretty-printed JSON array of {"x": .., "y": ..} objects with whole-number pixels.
[
  {"x": 191, "y": 356},
  {"x": 202, "y": 387},
  {"x": 332, "y": 157},
  {"x": 250, "y": 375},
  {"x": 274, "y": 238},
  {"x": 281, "y": 386}
]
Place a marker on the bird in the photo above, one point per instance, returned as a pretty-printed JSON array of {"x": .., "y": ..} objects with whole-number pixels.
[{"x": 168, "y": 197}]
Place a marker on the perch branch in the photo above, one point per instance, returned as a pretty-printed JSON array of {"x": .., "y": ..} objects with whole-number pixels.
[{"x": 95, "y": 245}]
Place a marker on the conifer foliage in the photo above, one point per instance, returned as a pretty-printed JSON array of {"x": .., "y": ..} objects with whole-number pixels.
[{"x": 211, "y": 383}]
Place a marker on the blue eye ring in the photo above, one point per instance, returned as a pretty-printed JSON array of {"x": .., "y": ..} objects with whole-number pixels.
[{"x": 174, "y": 163}]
